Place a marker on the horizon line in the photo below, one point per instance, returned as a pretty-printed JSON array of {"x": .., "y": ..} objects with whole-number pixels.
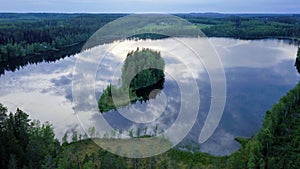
[{"x": 225, "y": 13}]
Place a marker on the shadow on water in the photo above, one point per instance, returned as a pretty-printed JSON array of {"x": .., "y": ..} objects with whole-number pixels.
[
  {"x": 14, "y": 64},
  {"x": 151, "y": 91},
  {"x": 297, "y": 61}
]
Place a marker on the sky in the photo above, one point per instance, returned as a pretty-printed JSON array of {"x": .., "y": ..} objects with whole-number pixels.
[{"x": 151, "y": 6}]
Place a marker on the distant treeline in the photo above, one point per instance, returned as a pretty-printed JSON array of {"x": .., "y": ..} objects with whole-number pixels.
[
  {"x": 249, "y": 26},
  {"x": 32, "y": 36}
]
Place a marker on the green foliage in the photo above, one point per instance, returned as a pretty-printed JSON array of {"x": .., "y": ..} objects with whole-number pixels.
[
  {"x": 74, "y": 136},
  {"x": 277, "y": 144},
  {"x": 107, "y": 102},
  {"x": 25, "y": 143},
  {"x": 252, "y": 27},
  {"x": 28, "y": 144},
  {"x": 91, "y": 155},
  {"x": 65, "y": 138},
  {"x": 20, "y": 37},
  {"x": 12, "y": 163},
  {"x": 142, "y": 69},
  {"x": 33, "y": 38}
]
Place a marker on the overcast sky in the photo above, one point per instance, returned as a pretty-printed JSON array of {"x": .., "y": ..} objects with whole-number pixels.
[{"x": 163, "y": 6}]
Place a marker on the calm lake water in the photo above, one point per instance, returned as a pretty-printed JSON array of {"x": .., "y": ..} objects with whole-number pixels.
[{"x": 258, "y": 73}]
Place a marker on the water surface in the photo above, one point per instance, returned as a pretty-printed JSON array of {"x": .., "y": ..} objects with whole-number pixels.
[{"x": 258, "y": 73}]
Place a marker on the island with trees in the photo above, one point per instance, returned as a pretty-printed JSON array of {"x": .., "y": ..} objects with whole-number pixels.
[{"x": 142, "y": 73}]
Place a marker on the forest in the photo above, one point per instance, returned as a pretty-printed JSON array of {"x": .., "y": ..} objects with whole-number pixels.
[
  {"x": 142, "y": 72},
  {"x": 27, "y": 143},
  {"x": 277, "y": 144},
  {"x": 36, "y": 37},
  {"x": 33, "y": 38}
]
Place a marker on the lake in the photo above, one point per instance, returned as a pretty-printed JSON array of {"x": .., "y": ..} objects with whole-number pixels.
[{"x": 258, "y": 73}]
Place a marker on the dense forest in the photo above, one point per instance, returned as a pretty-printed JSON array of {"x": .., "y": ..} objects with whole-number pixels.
[
  {"x": 277, "y": 144},
  {"x": 25, "y": 143},
  {"x": 33, "y": 38},
  {"x": 37, "y": 33},
  {"x": 36, "y": 37},
  {"x": 247, "y": 26},
  {"x": 142, "y": 72},
  {"x": 142, "y": 68},
  {"x": 28, "y": 144}
]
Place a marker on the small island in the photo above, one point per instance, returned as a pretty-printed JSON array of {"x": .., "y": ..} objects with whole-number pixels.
[{"x": 142, "y": 73}]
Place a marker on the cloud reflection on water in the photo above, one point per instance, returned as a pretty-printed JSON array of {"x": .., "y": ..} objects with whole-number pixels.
[{"x": 249, "y": 65}]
